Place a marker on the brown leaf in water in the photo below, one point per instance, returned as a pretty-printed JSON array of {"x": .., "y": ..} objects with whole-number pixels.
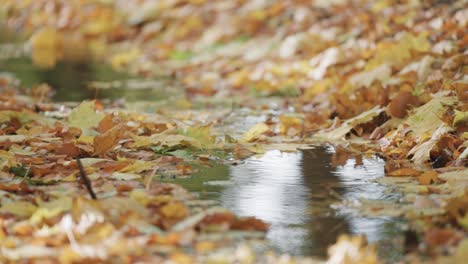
[{"x": 250, "y": 223}]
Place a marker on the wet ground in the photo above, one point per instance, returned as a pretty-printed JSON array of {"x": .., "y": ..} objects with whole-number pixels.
[{"x": 298, "y": 193}]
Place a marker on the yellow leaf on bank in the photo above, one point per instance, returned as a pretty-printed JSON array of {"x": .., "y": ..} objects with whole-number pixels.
[
  {"x": 340, "y": 132},
  {"x": 398, "y": 53},
  {"x": 318, "y": 87},
  {"x": 20, "y": 208},
  {"x": 202, "y": 135},
  {"x": 290, "y": 122},
  {"x": 254, "y": 132}
]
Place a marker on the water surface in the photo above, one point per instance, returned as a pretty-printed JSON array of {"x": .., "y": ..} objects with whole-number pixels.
[{"x": 295, "y": 193}]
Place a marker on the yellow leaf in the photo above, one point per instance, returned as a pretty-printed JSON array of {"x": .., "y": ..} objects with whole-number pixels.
[
  {"x": 51, "y": 209},
  {"x": 287, "y": 122},
  {"x": 460, "y": 117},
  {"x": 341, "y": 131},
  {"x": 427, "y": 118},
  {"x": 397, "y": 54},
  {"x": 20, "y": 208},
  {"x": 85, "y": 118},
  {"x": 119, "y": 60},
  {"x": 202, "y": 135},
  {"x": 174, "y": 210},
  {"x": 254, "y": 132}
]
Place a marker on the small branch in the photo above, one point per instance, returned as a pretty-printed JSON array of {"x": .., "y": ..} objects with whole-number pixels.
[{"x": 85, "y": 180}]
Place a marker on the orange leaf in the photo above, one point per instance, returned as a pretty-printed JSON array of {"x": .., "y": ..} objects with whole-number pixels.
[
  {"x": 428, "y": 177},
  {"x": 106, "y": 123},
  {"x": 250, "y": 223},
  {"x": 108, "y": 140},
  {"x": 404, "y": 172}
]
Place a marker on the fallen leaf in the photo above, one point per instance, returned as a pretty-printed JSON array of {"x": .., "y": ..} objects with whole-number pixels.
[
  {"x": 340, "y": 132},
  {"x": 254, "y": 132},
  {"x": 85, "y": 118},
  {"x": 428, "y": 177},
  {"x": 404, "y": 173},
  {"x": 105, "y": 142}
]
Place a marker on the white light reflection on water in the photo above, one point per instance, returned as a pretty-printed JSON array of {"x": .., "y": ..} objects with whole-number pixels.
[
  {"x": 293, "y": 192},
  {"x": 272, "y": 189}
]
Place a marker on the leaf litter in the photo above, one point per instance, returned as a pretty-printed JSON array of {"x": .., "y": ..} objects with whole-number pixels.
[{"x": 382, "y": 77}]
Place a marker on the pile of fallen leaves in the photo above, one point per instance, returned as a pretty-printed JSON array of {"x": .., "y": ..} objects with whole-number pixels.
[{"x": 382, "y": 76}]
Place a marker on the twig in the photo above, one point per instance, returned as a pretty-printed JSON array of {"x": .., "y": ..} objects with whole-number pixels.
[{"x": 85, "y": 180}]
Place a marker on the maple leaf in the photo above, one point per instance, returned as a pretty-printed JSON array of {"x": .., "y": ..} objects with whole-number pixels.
[
  {"x": 254, "y": 132},
  {"x": 427, "y": 118},
  {"x": 86, "y": 118},
  {"x": 109, "y": 139}
]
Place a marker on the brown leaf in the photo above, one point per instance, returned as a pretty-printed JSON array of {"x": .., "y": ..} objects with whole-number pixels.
[
  {"x": 106, "y": 123},
  {"x": 67, "y": 148},
  {"x": 20, "y": 188},
  {"x": 401, "y": 103},
  {"x": 250, "y": 223},
  {"x": 436, "y": 237},
  {"x": 109, "y": 139}
]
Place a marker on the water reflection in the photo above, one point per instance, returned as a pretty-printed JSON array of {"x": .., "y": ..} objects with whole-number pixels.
[
  {"x": 294, "y": 191},
  {"x": 71, "y": 81}
]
